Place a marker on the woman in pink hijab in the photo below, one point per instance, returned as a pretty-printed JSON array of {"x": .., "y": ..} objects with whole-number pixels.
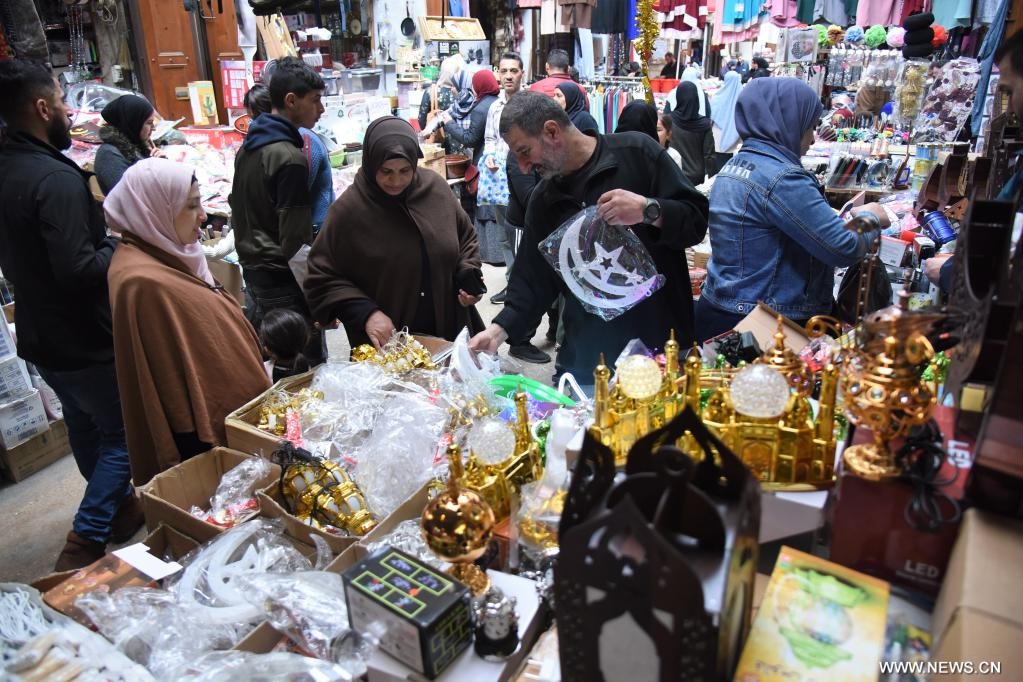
[{"x": 186, "y": 356}]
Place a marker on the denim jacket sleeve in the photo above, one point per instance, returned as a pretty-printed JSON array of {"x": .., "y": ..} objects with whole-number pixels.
[{"x": 795, "y": 205}]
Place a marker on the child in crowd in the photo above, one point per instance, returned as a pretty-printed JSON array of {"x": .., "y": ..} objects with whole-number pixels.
[{"x": 284, "y": 334}]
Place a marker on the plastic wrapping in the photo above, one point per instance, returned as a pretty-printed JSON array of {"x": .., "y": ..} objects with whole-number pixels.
[
  {"x": 605, "y": 266},
  {"x": 407, "y": 536},
  {"x": 230, "y": 666},
  {"x": 38, "y": 643},
  {"x": 235, "y": 497},
  {"x": 207, "y": 583},
  {"x": 400, "y": 455},
  {"x": 153, "y": 629},
  {"x": 949, "y": 102},
  {"x": 206, "y": 609},
  {"x": 911, "y": 91},
  {"x": 308, "y": 606}
]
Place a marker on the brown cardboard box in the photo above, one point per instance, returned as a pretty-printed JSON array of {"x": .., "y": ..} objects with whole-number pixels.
[
  {"x": 169, "y": 496},
  {"x": 229, "y": 275},
  {"x": 242, "y": 434},
  {"x": 270, "y": 507},
  {"x": 869, "y": 528},
  {"x": 61, "y": 589},
  {"x": 979, "y": 613},
  {"x": 762, "y": 321},
  {"x": 37, "y": 453}
]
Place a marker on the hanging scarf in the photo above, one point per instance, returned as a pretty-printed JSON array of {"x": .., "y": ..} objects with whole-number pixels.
[{"x": 686, "y": 116}]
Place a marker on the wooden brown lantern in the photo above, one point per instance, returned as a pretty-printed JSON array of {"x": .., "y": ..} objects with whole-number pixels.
[{"x": 654, "y": 580}]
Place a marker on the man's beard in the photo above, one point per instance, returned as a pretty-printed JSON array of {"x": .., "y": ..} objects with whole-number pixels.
[{"x": 59, "y": 134}]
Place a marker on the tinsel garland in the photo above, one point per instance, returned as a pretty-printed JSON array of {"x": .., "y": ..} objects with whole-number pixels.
[{"x": 649, "y": 30}]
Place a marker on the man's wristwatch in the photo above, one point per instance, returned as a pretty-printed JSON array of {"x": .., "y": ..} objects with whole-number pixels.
[{"x": 652, "y": 211}]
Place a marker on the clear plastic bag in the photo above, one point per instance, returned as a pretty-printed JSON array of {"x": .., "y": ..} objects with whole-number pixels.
[
  {"x": 153, "y": 629},
  {"x": 408, "y": 537},
  {"x": 235, "y": 497},
  {"x": 606, "y": 267},
  {"x": 398, "y": 458},
  {"x": 208, "y": 582},
  {"x": 308, "y": 606},
  {"x": 230, "y": 666},
  {"x": 949, "y": 102}
]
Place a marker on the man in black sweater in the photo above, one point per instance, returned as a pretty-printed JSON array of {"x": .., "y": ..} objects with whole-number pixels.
[
  {"x": 633, "y": 183},
  {"x": 55, "y": 250}
]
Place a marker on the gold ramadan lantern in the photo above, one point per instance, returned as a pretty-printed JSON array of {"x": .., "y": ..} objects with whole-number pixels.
[
  {"x": 643, "y": 399},
  {"x": 457, "y": 525},
  {"x": 322, "y": 494},
  {"x": 762, "y": 411},
  {"x": 885, "y": 393}
]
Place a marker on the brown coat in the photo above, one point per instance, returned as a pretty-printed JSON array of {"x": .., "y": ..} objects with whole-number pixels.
[
  {"x": 186, "y": 356},
  {"x": 370, "y": 249}
]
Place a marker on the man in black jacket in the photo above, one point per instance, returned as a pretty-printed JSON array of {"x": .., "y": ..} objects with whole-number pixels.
[
  {"x": 54, "y": 248},
  {"x": 632, "y": 182},
  {"x": 271, "y": 207}
]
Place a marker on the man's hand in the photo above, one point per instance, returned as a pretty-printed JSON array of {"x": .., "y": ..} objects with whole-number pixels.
[
  {"x": 379, "y": 329},
  {"x": 621, "y": 207},
  {"x": 488, "y": 340},
  {"x": 467, "y": 299},
  {"x": 932, "y": 266},
  {"x": 491, "y": 164}
]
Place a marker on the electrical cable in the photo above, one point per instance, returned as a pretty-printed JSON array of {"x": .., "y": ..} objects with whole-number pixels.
[{"x": 921, "y": 458}]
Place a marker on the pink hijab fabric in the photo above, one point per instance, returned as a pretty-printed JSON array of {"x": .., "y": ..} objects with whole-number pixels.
[{"x": 146, "y": 202}]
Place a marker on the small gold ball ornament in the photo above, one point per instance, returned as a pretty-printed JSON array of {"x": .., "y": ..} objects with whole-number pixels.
[{"x": 458, "y": 525}]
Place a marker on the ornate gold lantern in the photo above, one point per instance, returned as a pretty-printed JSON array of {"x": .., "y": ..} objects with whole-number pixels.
[
  {"x": 884, "y": 392},
  {"x": 457, "y": 525},
  {"x": 762, "y": 412},
  {"x": 322, "y": 494}
]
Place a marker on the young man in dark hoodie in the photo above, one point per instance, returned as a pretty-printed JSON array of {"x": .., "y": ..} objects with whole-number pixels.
[{"x": 271, "y": 207}]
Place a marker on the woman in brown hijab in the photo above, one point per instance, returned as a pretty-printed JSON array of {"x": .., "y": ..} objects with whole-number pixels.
[{"x": 396, "y": 249}]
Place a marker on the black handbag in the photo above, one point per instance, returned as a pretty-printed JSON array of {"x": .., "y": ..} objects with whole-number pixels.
[{"x": 879, "y": 293}]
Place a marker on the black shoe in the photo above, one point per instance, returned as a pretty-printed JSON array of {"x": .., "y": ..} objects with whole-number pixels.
[
  {"x": 527, "y": 352},
  {"x": 500, "y": 296},
  {"x": 552, "y": 334}
]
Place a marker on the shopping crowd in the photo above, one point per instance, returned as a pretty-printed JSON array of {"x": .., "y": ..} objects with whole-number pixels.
[{"x": 118, "y": 311}]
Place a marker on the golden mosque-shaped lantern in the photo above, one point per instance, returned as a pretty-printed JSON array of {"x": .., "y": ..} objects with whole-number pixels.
[
  {"x": 497, "y": 481},
  {"x": 784, "y": 448}
]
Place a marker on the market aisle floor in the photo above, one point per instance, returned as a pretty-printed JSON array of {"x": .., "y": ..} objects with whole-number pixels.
[{"x": 35, "y": 515}]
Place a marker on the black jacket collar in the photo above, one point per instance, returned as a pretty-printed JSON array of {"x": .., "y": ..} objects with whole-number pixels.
[{"x": 23, "y": 143}]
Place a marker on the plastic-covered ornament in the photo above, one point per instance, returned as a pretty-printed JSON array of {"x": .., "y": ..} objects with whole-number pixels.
[{"x": 606, "y": 267}]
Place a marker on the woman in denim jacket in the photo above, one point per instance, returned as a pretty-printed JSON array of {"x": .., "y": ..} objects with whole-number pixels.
[{"x": 773, "y": 236}]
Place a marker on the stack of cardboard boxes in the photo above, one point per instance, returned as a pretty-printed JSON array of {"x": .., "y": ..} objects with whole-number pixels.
[{"x": 29, "y": 442}]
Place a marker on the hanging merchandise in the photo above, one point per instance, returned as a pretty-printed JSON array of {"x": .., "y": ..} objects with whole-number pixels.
[
  {"x": 948, "y": 103},
  {"x": 910, "y": 93},
  {"x": 682, "y": 19},
  {"x": 649, "y": 30},
  {"x": 605, "y": 266}
]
